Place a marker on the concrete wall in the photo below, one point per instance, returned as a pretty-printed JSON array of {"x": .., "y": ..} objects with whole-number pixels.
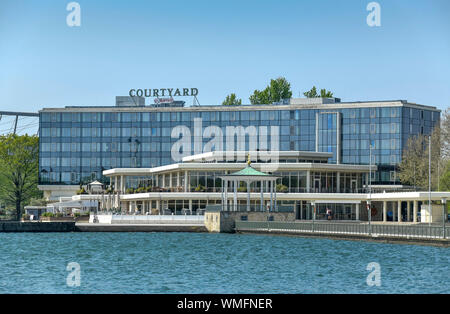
[
  {"x": 224, "y": 221},
  {"x": 12, "y": 226},
  {"x": 437, "y": 211}
]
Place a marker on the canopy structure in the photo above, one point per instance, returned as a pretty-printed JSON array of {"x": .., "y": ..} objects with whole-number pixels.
[{"x": 248, "y": 175}]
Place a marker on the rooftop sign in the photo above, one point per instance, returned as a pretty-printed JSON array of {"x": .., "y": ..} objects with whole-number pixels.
[{"x": 164, "y": 92}]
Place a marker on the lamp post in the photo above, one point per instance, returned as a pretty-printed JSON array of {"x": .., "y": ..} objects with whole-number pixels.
[
  {"x": 369, "y": 202},
  {"x": 430, "y": 211},
  {"x": 313, "y": 206},
  {"x": 444, "y": 215}
]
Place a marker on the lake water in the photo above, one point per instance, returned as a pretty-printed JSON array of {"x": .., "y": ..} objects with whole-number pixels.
[{"x": 215, "y": 263}]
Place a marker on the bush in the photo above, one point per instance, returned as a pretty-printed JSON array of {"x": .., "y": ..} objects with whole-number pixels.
[
  {"x": 48, "y": 214},
  {"x": 26, "y": 217},
  {"x": 76, "y": 215},
  {"x": 282, "y": 188},
  {"x": 129, "y": 191},
  {"x": 58, "y": 215},
  {"x": 200, "y": 188},
  {"x": 242, "y": 189},
  {"x": 140, "y": 190},
  {"x": 81, "y": 191}
]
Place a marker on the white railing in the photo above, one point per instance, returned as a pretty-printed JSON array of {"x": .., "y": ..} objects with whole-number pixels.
[{"x": 149, "y": 219}]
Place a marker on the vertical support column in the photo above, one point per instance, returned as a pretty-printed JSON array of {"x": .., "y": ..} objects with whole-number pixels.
[
  {"x": 178, "y": 179},
  {"x": 394, "y": 212},
  {"x": 248, "y": 196},
  {"x": 338, "y": 182},
  {"x": 271, "y": 195},
  {"x": 122, "y": 185},
  {"x": 235, "y": 195},
  {"x": 275, "y": 197},
  {"x": 308, "y": 181},
  {"x": 186, "y": 186},
  {"x": 262, "y": 197},
  {"x": 408, "y": 211},
  {"x": 190, "y": 206},
  {"x": 158, "y": 207},
  {"x": 384, "y": 211},
  {"x": 415, "y": 209},
  {"x": 357, "y": 210},
  {"x": 226, "y": 195},
  {"x": 399, "y": 211}
]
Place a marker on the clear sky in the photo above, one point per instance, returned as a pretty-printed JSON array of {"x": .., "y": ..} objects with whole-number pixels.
[{"x": 222, "y": 47}]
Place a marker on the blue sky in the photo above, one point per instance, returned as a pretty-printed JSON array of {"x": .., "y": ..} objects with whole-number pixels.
[{"x": 222, "y": 47}]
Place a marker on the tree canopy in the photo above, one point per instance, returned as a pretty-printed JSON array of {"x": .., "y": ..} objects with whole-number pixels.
[
  {"x": 277, "y": 90},
  {"x": 312, "y": 93},
  {"x": 413, "y": 169},
  {"x": 18, "y": 170},
  {"x": 232, "y": 100}
]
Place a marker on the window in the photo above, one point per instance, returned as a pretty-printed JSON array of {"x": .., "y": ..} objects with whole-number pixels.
[
  {"x": 394, "y": 127},
  {"x": 393, "y": 144},
  {"x": 392, "y": 176},
  {"x": 373, "y": 113},
  {"x": 373, "y": 128}
]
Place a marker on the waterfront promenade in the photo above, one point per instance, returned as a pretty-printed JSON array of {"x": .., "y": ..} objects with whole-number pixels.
[{"x": 412, "y": 233}]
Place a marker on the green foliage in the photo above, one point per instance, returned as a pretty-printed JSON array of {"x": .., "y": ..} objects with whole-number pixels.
[
  {"x": 19, "y": 157},
  {"x": 38, "y": 202},
  {"x": 25, "y": 217},
  {"x": 129, "y": 191},
  {"x": 282, "y": 188},
  {"x": 48, "y": 214},
  {"x": 232, "y": 100},
  {"x": 242, "y": 189},
  {"x": 278, "y": 90},
  {"x": 312, "y": 93},
  {"x": 413, "y": 169},
  {"x": 200, "y": 188},
  {"x": 444, "y": 183},
  {"x": 81, "y": 191}
]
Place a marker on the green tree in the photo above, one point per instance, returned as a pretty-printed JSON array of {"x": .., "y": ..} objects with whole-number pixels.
[
  {"x": 19, "y": 170},
  {"x": 277, "y": 90},
  {"x": 414, "y": 167},
  {"x": 444, "y": 183},
  {"x": 232, "y": 100},
  {"x": 312, "y": 93}
]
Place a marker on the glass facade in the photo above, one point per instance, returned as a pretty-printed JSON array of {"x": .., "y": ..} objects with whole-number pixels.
[{"x": 76, "y": 145}]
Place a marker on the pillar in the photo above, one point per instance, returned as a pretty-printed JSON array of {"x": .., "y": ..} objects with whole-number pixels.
[
  {"x": 415, "y": 209},
  {"x": 262, "y": 197},
  {"x": 157, "y": 207},
  {"x": 399, "y": 211},
  {"x": 275, "y": 207},
  {"x": 271, "y": 195},
  {"x": 226, "y": 195},
  {"x": 186, "y": 186},
  {"x": 122, "y": 185},
  {"x": 394, "y": 212},
  {"x": 235, "y": 195},
  {"x": 408, "y": 211},
  {"x": 248, "y": 196},
  {"x": 308, "y": 181},
  {"x": 384, "y": 211},
  {"x": 190, "y": 206},
  {"x": 357, "y": 210},
  {"x": 338, "y": 182}
]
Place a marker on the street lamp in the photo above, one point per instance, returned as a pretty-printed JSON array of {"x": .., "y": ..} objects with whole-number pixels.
[
  {"x": 313, "y": 207},
  {"x": 444, "y": 215}
]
